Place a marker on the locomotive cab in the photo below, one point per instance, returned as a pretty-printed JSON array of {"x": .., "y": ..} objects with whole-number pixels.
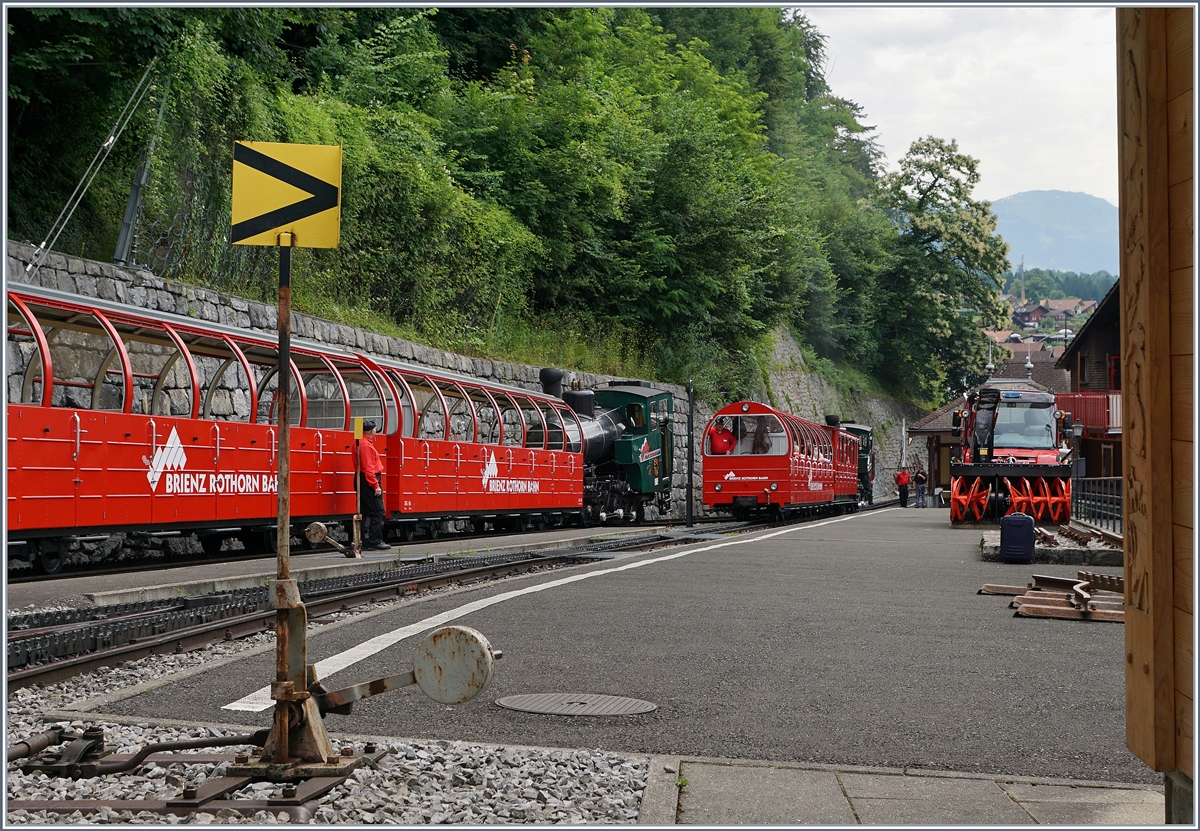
[{"x": 639, "y": 472}]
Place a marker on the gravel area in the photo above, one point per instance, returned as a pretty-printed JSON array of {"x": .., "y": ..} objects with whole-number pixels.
[{"x": 417, "y": 782}]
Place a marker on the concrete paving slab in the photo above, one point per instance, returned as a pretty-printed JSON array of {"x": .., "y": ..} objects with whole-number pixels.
[
  {"x": 895, "y": 800},
  {"x": 1081, "y": 805},
  {"x": 736, "y": 795},
  {"x": 1077, "y": 813},
  {"x": 660, "y": 800},
  {"x": 1082, "y": 793}
]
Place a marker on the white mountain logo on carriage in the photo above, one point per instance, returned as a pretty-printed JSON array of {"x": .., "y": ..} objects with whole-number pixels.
[
  {"x": 647, "y": 453},
  {"x": 733, "y": 477},
  {"x": 168, "y": 457},
  {"x": 492, "y": 483}
]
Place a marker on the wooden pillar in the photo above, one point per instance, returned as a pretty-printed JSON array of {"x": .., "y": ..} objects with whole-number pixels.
[{"x": 1154, "y": 87}]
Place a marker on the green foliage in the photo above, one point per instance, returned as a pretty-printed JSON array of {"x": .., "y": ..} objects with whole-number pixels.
[
  {"x": 636, "y": 191},
  {"x": 1043, "y": 284},
  {"x": 943, "y": 286}
]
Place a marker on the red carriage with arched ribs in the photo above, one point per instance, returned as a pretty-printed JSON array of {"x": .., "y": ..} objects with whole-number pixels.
[
  {"x": 123, "y": 419},
  {"x": 761, "y": 460}
]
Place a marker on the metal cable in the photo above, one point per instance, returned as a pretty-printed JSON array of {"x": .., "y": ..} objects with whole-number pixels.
[{"x": 64, "y": 216}]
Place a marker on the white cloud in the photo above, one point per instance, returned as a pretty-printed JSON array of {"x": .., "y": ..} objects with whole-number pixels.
[{"x": 1029, "y": 92}]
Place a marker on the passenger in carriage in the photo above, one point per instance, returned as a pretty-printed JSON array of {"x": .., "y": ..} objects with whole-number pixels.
[
  {"x": 762, "y": 437},
  {"x": 370, "y": 490},
  {"x": 720, "y": 439}
]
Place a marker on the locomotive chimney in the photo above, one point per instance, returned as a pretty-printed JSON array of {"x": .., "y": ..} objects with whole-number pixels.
[
  {"x": 833, "y": 420},
  {"x": 552, "y": 381}
]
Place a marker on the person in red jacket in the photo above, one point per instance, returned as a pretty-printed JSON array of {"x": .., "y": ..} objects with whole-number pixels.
[
  {"x": 720, "y": 439},
  {"x": 902, "y": 480},
  {"x": 370, "y": 490}
]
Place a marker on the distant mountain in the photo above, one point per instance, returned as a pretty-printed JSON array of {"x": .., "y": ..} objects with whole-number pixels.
[{"x": 1060, "y": 230}]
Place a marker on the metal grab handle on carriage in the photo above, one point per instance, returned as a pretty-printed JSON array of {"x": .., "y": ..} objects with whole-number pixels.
[
  {"x": 510, "y": 461},
  {"x": 217, "y": 442},
  {"x": 153, "y": 438},
  {"x": 401, "y": 443},
  {"x": 553, "y": 463},
  {"x": 320, "y": 448},
  {"x": 79, "y": 431},
  {"x": 427, "y": 455},
  {"x": 271, "y": 430},
  {"x": 457, "y": 457}
]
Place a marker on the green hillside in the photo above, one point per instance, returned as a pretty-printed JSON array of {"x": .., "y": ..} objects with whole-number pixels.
[{"x": 641, "y": 191}]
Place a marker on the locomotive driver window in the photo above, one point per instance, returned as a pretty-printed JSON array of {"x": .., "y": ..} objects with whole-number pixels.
[{"x": 1025, "y": 426}]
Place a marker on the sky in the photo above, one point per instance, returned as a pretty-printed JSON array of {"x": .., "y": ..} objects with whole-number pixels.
[{"x": 1029, "y": 92}]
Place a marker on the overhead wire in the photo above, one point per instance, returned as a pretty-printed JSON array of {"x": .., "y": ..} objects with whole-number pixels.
[{"x": 85, "y": 181}]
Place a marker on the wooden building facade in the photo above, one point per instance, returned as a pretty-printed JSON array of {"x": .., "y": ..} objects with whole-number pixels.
[{"x": 1156, "y": 134}]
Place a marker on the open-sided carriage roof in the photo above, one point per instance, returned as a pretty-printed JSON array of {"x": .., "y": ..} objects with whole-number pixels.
[{"x": 254, "y": 343}]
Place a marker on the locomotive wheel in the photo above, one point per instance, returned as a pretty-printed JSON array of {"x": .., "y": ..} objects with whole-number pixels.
[
  {"x": 433, "y": 530},
  {"x": 211, "y": 544},
  {"x": 408, "y": 531},
  {"x": 260, "y": 541},
  {"x": 48, "y": 561},
  {"x": 585, "y": 518}
]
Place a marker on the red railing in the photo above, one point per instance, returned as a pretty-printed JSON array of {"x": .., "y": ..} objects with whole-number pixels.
[{"x": 1100, "y": 410}]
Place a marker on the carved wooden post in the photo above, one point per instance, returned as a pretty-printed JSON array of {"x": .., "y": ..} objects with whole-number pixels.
[{"x": 1155, "y": 75}]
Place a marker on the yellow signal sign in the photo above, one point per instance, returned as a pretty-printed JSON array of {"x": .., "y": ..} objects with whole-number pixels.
[{"x": 293, "y": 188}]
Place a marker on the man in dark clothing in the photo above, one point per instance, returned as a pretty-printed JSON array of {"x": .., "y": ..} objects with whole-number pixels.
[
  {"x": 920, "y": 480},
  {"x": 370, "y": 490},
  {"x": 902, "y": 480}
]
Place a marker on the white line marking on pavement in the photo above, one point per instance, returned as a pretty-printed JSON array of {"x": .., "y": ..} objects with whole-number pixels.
[{"x": 260, "y": 699}]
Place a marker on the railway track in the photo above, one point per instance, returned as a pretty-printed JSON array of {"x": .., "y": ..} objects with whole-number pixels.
[{"x": 48, "y": 646}]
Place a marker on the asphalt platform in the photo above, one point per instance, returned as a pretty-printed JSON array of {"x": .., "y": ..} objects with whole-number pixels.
[{"x": 715, "y": 791}]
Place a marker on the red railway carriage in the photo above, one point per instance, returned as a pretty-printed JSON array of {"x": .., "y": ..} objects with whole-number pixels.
[
  {"x": 759, "y": 459},
  {"x": 119, "y": 420}
]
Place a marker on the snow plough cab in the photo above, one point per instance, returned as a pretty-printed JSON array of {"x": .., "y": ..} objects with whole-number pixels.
[{"x": 1013, "y": 456}]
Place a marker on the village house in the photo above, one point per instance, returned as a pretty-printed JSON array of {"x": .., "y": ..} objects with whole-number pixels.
[{"x": 1093, "y": 360}]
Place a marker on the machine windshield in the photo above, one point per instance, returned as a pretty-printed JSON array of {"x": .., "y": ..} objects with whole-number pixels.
[{"x": 1025, "y": 426}]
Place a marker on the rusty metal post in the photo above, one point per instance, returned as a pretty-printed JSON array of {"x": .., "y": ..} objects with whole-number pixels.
[
  {"x": 356, "y": 541},
  {"x": 298, "y": 734},
  {"x": 691, "y": 449},
  {"x": 283, "y": 671}
]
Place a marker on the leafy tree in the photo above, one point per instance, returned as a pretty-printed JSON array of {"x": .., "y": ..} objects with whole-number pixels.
[{"x": 943, "y": 287}]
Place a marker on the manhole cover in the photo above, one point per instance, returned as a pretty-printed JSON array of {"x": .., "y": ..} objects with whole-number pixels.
[{"x": 576, "y": 704}]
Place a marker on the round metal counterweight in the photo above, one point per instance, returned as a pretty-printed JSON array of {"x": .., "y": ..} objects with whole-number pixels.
[
  {"x": 454, "y": 664},
  {"x": 576, "y": 704}
]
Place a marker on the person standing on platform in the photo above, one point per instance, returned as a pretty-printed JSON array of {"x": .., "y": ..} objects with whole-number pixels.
[
  {"x": 370, "y": 490},
  {"x": 902, "y": 481},
  {"x": 920, "y": 480}
]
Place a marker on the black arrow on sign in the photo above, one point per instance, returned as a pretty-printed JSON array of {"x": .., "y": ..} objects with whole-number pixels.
[{"x": 324, "y": 195}]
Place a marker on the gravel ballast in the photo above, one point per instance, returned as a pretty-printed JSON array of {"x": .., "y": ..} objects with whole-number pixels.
[{"x": 417, "y": 782}]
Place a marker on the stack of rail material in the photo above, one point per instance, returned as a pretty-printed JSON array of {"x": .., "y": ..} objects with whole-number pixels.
[{"x": 1089, "y": 596}]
